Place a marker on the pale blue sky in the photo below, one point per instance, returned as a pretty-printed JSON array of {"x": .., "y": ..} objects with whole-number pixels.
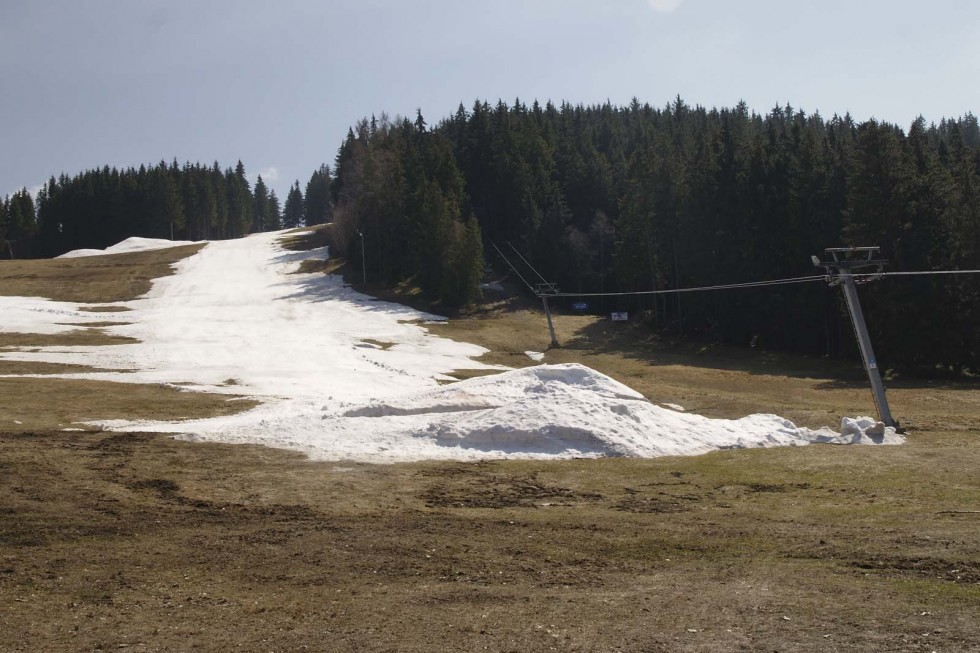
[{"x": 277, "y": 84}]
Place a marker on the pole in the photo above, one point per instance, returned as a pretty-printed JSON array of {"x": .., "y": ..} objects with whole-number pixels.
[
  {"x": 840, "y": 272},
  {"x": 363, "y": 260},
  {"x": 864, "y": 343},
  {"x": 551, "y": 326}
]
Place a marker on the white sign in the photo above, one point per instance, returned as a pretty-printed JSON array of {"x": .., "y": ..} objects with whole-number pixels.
[{"x": 620, "y": 317}]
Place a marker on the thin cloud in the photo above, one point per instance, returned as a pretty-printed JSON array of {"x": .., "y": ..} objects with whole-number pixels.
[
  {"x": 33, "y": 190},
  {"x": 269, "y": 174},
  {"x": 664, "y": 6}
]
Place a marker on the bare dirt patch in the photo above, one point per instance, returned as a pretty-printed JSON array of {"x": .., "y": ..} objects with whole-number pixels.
[
  {"x": 95, "y": 325},
  {"x": 380, "y": 344},
  {"x": 310, "y": 266},
  {"x": 105, "y": 309}
]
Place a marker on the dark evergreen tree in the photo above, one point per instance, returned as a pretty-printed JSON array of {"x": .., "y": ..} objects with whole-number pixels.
[
  {"x": 240, "y": 201},
  {"x": 273, "y": 214},
  {"x": 292, "y": 214},
  {"x": 317, "y": 207},
  {"x": 260, "y": 206}
]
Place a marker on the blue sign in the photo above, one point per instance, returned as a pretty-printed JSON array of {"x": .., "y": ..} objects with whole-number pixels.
[{"x": 580, "y": 306}]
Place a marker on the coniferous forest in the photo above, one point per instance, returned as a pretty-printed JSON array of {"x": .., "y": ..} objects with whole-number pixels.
[
  {"x": 99, "y": 208},
  {"x": 605, "y": 199}
]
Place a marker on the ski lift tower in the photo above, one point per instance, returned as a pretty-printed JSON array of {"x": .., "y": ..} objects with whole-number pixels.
[
  {"x": 544, "y": 290},
  {"x": 840, "y": 272}
]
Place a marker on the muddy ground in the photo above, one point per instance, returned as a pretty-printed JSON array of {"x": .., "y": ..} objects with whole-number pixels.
[
  {"x": 115, "y": 542},
  {"x": 139, "y": 542}
]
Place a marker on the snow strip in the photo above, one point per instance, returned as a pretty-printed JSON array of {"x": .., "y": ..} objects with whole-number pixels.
[
  {"x": 543, "y": 412},
  {"x": 236, "y": 318}
]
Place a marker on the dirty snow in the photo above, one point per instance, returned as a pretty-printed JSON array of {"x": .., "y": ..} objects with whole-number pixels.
[{"x": 343, "y": 376}]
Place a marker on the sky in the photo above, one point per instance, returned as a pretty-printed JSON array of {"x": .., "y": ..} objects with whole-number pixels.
[{"x": 277, "y": 84}]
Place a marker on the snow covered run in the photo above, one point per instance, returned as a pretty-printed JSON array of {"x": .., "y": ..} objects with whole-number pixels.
[{"x": 344, "y": 376}]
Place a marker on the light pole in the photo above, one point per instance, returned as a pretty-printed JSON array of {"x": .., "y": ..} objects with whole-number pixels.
[{"x": 363, "y": 260}]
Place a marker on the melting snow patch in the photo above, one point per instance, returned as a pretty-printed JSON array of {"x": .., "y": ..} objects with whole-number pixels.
[
  {"x": 237, "y": 310},
  {"x": 548, "y": 411},
  {"x": 536, "y": 356}
]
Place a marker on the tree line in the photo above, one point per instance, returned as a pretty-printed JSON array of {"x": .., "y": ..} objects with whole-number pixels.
[
  {"x": 401, "y": 203},
  {"x": 98, "y": 208},
  {"x": 606, "y": 199},
  {"x": 636, "y": 198}
]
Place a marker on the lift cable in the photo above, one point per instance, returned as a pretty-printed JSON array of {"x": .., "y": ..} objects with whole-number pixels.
[
  {"x": 757, "y": 284},
  {"x": 750, "y": 284},
  {"x": 917, "y": 272},
  {"x": 529, "y": 286},
  {"x": 543, "y": 280}
]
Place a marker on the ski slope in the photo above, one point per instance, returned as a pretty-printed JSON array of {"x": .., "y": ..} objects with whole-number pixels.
[{"x": 344, "y": 376}]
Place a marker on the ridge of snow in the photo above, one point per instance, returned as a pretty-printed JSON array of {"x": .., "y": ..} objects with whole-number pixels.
[{"x": 132, "y": 244}]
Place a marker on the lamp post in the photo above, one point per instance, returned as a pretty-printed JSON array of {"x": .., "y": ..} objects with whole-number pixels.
[{"x": 363, "y": 260}]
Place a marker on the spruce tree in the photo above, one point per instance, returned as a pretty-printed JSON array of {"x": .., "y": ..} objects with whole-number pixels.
[
  {"x": 318, "y": 206},
  {"x": 273, "y": 214},
  {"x": 260, "y": 205},
  {"x": 292, "y": 214}
]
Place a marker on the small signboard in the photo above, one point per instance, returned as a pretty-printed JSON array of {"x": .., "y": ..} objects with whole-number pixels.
[
  {"x": 621, "y": 317},
  {"x": 580, "y": 306}
]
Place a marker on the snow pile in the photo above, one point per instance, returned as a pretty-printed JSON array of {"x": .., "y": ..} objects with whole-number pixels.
[
  {"x": 134, "y": 244},
  {"x": 344, "y": 376},
  {"x": 548, "y": 411}
]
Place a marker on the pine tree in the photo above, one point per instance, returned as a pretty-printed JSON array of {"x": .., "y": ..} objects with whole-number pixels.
[
  {"x": 292, "y": 215},
  {"x": 260, "y": 205},
  {"x": 240, "y": 201},
  {"x": 318, "y": 204},
  {"x": 273, "y": 215},
  {"x": 462, "y": 284},
  {"x": 4, "y": 253}
]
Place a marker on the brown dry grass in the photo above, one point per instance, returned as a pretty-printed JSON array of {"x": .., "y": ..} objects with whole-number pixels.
[
  {"x": 76, "y": 338},
  {"x": 104, "y": 309},
  {"x": 34, "y": 367},
  {"x": 53, "y": 403},
  {"x": 136, "y": 541},
  {"x": 140, "y": 542},
  {"x": 90, "y": 279}
]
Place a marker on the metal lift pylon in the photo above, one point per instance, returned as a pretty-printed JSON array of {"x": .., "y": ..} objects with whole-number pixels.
[{"x": 840, "y": 272}]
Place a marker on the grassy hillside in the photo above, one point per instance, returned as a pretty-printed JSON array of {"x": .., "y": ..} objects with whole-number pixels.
[{"x": 140, "y": 542}]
